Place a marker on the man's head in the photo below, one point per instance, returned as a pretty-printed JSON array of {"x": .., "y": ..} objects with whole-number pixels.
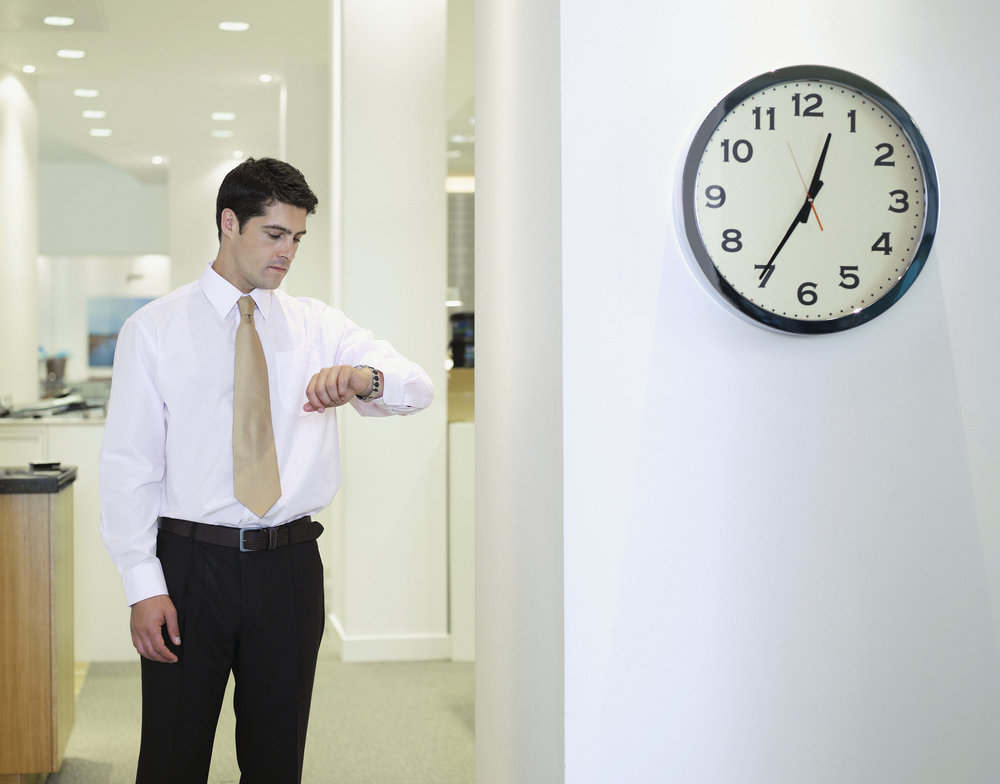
[{"x": 256, "y": 184}]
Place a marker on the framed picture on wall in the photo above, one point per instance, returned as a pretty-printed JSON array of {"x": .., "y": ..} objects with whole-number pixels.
[{"x": 105, "y": 317}]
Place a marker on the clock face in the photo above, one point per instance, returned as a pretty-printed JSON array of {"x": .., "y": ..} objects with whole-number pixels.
[{"x": 809, "y": 200}]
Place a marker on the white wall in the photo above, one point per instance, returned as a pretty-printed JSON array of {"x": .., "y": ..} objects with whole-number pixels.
[
  {"x": 94, "y": 208},
  {"x": 781, "y": 558}
]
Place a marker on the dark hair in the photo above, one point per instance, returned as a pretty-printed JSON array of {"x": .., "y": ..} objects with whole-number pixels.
[{"x": 254, "y": 185}]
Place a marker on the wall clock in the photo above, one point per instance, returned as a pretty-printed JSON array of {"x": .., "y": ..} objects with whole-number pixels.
[{"x": 808, "y": 200}]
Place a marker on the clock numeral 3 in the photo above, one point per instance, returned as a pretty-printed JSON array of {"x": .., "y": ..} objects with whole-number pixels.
[{"x": 902, "y": 203}]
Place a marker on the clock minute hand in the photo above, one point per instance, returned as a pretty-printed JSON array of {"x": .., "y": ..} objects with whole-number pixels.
[
  {"x": 801, "y": 217},
  {"x": 815, "y": 185}
]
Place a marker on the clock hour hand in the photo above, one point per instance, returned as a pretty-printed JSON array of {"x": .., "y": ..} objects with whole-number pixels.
[{"x": 815, "y": 184}]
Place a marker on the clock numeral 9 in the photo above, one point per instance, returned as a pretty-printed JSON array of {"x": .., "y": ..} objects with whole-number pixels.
[
  {"x": 742, "y": 150},
  {"x": 716, "y": 196}
]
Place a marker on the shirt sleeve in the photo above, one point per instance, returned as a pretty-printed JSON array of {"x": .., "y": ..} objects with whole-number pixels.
[{"x": 131, "y": 468}]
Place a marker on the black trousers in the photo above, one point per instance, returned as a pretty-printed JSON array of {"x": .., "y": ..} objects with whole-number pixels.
[{"x": 258, "y": 615}]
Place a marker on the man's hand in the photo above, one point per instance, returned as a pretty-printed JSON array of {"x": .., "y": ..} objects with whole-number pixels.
[
  {"x": 148, "y": 618},
  {"x": 335, "y": 386}
]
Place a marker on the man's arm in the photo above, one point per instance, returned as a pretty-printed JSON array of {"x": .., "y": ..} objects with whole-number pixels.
[{"x": 130, "y": 475}]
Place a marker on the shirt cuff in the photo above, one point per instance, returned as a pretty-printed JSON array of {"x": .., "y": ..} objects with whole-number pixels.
[{"x": 143, "y": 581}]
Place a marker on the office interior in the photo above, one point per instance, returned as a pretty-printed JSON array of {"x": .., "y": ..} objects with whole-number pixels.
[{"x": 703, "y": 552}]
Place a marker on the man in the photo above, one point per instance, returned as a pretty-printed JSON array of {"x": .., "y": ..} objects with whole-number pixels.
[{"x": 211, "y": 531}]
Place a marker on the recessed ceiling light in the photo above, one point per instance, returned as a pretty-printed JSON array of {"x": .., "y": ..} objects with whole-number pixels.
[
  {"x": 59, "y": 21},
  {"x": 223, "y": 116},
  {"x": 238, "y": 154},
  {"x": 95, "y": 114},
  {"x": 234, "y": 27},
  {"x": 29, "y": 69},
  {"x": 86, "y": 93},
  {"x": 217, "y": 134},
  {"x": 71, "y": 54},
  {"x": 157, "y": 160},
  {"x": 100, "y": 131},
  {"x": 265, "y": 78}
]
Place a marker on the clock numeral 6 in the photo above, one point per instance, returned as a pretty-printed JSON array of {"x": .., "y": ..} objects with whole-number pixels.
[
  {"x": 807, "y": 293},
  {"x": 716, "y": 196}
]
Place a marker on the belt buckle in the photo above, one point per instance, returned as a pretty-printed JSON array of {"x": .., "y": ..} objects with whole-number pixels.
[
  {"x": 270, "y": 544},
  {"x": 243, "y": 541}
]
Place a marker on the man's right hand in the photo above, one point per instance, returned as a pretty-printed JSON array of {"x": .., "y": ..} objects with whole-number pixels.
[{"x": 148, "y": 618}]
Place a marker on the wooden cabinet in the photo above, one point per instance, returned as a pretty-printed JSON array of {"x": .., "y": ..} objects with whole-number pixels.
[{"x": 36, "y": 620}]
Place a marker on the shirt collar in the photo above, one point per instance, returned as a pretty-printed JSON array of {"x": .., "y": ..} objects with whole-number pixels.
[{"x": 223, "y": 295}]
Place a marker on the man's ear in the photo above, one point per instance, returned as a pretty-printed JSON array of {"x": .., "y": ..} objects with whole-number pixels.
[{"x": 229, "y": 223}]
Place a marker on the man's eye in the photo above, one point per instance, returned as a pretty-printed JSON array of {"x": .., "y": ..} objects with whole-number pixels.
[{"x": 275, "y": 236}]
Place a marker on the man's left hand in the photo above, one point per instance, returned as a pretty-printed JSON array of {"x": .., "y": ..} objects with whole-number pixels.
[{"x": 335, "y": 386}]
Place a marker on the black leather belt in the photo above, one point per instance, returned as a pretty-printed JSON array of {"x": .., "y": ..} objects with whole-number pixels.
[{"x": 249, "y": 539}]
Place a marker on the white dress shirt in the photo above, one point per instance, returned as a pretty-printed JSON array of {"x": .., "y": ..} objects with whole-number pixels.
[{"x": 168, "y": 440}]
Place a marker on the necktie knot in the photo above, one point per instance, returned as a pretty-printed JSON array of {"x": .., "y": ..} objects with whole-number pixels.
[{"x": 246, "y": 307}]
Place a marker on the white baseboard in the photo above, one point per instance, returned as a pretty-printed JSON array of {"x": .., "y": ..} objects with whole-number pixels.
[{"x": 390, "y": 647}]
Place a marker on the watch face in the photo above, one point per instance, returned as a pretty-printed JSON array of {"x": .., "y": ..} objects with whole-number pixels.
[{"x": 809, "y": 200}]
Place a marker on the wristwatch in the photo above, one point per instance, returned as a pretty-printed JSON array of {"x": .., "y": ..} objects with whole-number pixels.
[{"x": 376, "y": 383}]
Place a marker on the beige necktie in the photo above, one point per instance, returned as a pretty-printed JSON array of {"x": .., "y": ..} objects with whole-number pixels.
[{"x": 255, "y": 462}]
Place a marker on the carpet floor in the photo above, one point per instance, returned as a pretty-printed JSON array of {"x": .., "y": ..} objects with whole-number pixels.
[{"x": 384, "y": 723}]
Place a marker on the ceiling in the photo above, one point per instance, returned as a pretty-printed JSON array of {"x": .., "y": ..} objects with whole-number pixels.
[{"x": 162, "y": 69}]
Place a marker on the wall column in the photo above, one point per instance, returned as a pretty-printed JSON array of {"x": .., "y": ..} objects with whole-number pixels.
[
  {"x": 390, "y": 571},
  {"x": 519, "y": 395},
  {"x": 19, "y": 374}
]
